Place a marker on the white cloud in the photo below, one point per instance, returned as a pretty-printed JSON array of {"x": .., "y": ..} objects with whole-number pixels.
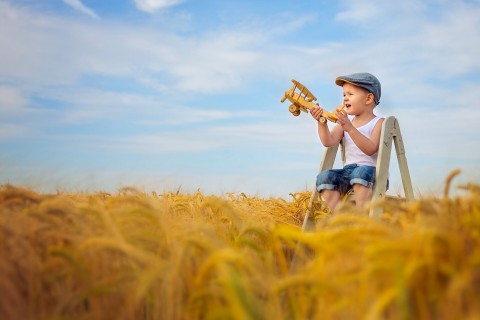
[
  {"x": 152, "y": 6},
  {"x": 295, "y": 136},
  {"x": 12, "y": 100},
  {"x": 368, "y": 13},
  {"x": 79, "y": 6},
  {"x": 358, "y": 11},
  {"x": 214, "y": 137},
  {"x": 52, "y": 52},
  {"x": 57, "y": 51},
  {"x": 12, "y": 131}
]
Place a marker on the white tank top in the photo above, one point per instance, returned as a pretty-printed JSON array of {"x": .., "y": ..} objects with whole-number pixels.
[{"x": 353, "y": 154}]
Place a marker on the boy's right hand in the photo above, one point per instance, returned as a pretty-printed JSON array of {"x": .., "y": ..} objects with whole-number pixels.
[{"x": 316, "y": 112}]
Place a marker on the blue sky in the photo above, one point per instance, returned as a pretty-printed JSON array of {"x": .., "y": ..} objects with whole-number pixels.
[{"x": 169, "y": 94}]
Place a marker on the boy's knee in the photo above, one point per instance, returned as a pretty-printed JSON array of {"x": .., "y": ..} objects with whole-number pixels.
[
  {"x": 363, "y": 175},
  {"x": 360, "y": 186}
]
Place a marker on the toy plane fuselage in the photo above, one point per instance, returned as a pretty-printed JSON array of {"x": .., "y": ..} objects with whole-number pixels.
[{"x": 303, "y": 100}]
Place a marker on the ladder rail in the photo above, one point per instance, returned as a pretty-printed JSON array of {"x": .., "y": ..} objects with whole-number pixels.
[{"x": 326, "y": 164}]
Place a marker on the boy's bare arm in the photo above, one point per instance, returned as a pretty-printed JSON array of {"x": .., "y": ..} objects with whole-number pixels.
[{"x": 327, "y": 138}]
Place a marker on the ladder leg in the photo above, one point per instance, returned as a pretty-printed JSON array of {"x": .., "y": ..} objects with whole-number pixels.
[
  {"x": 308, "y": 220},
  {"x": 403, "y": 166},
  {"x": 326, "y": 164},
  {"x": 383, "y": 163}
]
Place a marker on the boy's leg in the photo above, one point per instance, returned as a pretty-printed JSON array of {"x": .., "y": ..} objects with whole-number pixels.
[
  {"x": 362, "y": 195},
  {"x": 362, "y": 179},
  {"x": 331, "y": 184},
  {"x": 331, "y": 197}
]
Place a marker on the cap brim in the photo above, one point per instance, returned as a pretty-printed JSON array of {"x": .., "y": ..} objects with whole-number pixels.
[{"x": 340, "y": 82}]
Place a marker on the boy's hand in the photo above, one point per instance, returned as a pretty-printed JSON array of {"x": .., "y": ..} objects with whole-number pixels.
[
  {"x": 316, "y": 112},
  {"x": 343, "y": 120}
]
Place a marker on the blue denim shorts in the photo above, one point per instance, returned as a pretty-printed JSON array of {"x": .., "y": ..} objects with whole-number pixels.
[{"x": 343, "y": 179}]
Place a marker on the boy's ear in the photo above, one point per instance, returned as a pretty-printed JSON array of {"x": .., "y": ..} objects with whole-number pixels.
[{"x": 370, "y": 97}]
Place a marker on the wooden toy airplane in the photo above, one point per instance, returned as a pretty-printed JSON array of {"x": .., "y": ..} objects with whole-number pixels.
[{"x": 303, "y": 100}]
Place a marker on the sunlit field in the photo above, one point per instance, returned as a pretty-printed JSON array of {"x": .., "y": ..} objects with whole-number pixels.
[{"x": 138, "y": 255}]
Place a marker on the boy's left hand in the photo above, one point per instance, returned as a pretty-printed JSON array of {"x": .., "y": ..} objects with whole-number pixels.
[{"x": 343, "y": 120}]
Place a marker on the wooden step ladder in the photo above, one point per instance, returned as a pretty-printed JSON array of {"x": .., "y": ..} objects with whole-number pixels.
[{"x": 390, "y": 133}]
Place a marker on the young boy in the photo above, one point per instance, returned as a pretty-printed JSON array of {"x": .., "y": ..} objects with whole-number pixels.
[{"x": 361, "y": 94}]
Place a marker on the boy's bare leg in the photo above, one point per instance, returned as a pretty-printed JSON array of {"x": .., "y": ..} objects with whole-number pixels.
[
  {"x": 331, "y": 197},
  {"x": 362, "y": 195}
]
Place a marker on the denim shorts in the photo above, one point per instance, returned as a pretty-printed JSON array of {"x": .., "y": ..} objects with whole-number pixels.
[{"x": 343, "y": 179}]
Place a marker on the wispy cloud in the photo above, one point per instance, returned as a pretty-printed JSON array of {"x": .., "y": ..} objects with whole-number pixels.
[
  {"x": 12, "y": 100},
  {"x": 217, "y": 137},
  {"x": 213, "y": 63},
  {"x": 152, "y": 6},
  {"x": 368, "y": 13},
  {"x": 228, "y": 60},
  {"x": 79, "y": 6},
  {"x": 358, "y": 11},
  {"x": 8, "y": 132}
]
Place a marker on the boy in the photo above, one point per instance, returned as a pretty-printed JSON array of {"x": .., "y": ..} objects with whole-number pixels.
[{"x": 361, "y": 94}]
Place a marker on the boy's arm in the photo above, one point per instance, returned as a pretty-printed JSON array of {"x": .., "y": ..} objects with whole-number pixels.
[{"x": 329, "y": 138}]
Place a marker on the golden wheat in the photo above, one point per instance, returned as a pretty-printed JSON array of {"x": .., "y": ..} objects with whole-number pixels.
[{"x": 134, "y": 255}]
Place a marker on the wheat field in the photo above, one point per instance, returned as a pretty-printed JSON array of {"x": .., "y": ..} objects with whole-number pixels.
[{"x": 138, "y": 255}]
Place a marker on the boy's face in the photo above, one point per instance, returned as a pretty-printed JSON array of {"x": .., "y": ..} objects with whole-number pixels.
[{"x": 355, "y": 99}]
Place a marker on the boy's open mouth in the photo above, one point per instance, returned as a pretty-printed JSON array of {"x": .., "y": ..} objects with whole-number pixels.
[{"x": 347, "y": 105}]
